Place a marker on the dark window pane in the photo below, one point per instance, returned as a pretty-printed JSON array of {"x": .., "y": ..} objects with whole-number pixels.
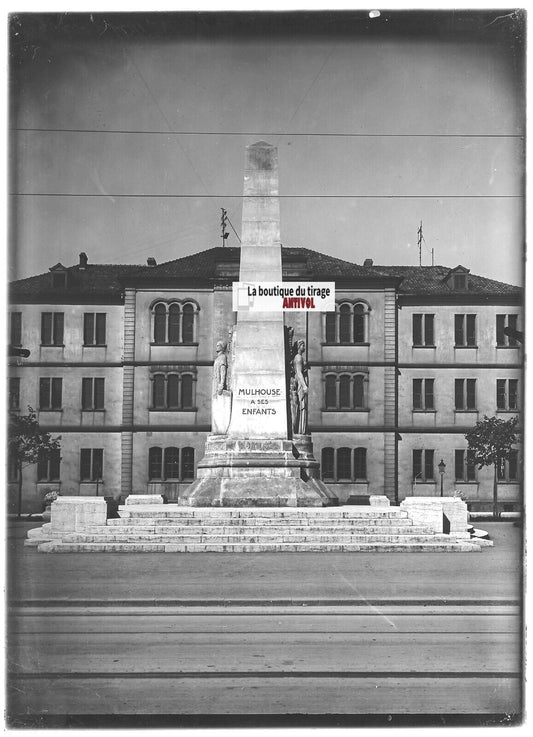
[
  {"x": 429, "y": 463},
  {"x": 459, "y": 330},
  {"x": 173, "y": 391},
  {"x": 46, "y": 328},
  {"x": 511, "y": 323},
  {"x": 174, "y": 324},
  {"x": 100, "y": 328},
  {"x": 58, "y": 328},
  {"x": 344, "y": 464},
  {"x": 417, "y": 329},
  {"x": 500, "y": 325},
  {"x": 99, "y": 391},
  {"x": 359, "y": 391},
  {"x": 16, "y": 328},
  {"x": 331, "y": 322},
  {"x": 172, "y": 463},
  {"x": 98, "y": 463},
  {"x": 331, "y": 392},
  {"x": 155, "y": 456},
  {"x": 42, "y": 467},
  {"x": 57, "y": 393},
  {"x": 160, "y": 324},
  {"x": 459, "y": 465},
  {"x": 345, "y": 328},
  {"x": 470, "y": 467},
  {"x": 344, "y": 392},
  {"x": 188, "y": 324},
  {"x": 86, "y": 393},
  {"x": 459, "y": 281},
  {"x": 459, "y": 394},
  {"x": 187, "y": 464},
  {"x": 500, "y": 393},
  {"x": 360, "y": 463},
  {"x": 428, "y": 330},
  {"x": 359, "y": 324},
  {"x": 417, "y": 393},
  {"x": 327, "y": 464},
  {"x": 471, "y": 330},
  {"x": 186, "y": 391},
  {"x": 417, "y": 465},
  {"x": 159, "y": 391},
  {"x": 85, "y": 464},
  {"x": 470, "y": 393},
  {"x": 14, "y": 392},
  {"x": 12, "y": 465},
  {"x": 513, "y": 394},
  {"x": 428, "y": 394},
  {"x": 513, "y": 465},
  {"x": 88, "y": 328},
  {"x": 55, "y": 465},
  {"x": 44, "y": 394}
]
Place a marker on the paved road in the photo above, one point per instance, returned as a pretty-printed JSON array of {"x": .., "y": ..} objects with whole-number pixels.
[{"x": 284, "y": 634}]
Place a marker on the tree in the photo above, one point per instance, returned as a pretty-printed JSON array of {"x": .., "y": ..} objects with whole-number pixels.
[
  {"x": 27, "y": 444},
  {"x": 490, "y": 442}
]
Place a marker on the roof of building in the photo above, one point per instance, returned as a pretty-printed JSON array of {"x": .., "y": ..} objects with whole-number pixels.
[{"x": 91, "y": 281}]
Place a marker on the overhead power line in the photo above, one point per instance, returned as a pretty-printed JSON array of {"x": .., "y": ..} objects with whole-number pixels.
[{"x": 118, "y": 131}]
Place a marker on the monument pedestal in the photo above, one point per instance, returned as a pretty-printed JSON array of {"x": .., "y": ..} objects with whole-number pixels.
[{"x": 258, "y": 472}]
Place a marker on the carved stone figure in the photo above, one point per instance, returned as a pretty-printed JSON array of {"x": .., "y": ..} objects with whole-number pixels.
[
  {"x": 300, "y": 373},
  {"x": 220, "y": 396},
  {"x": 294, "y": 404}
]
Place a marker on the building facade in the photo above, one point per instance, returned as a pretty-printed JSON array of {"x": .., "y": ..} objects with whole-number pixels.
[{"x": 120, "y": 366}]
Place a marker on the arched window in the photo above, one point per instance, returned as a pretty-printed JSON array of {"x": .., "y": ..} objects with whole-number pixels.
[
  {"x": 172, "y": 464},
  {"x": 344, "y": 464},
  {"x": 173, "y": 392},
  {"x": 160, "y": 323},
  {"x": 331, "y": 392},
  {"x": 345, "y": 381},
  {"x": 158, "y": 391},
  {"x": 359, "y": 462},
  {"x": 359, "y": 391},
  {"x": 155, "y": 465},
  {"x": 174, "y": 322},
  {"x": 174, "y": 319},
  {"x": 348, "y": 325},
  {"x": 186, "y": 391},
  {"x": 187, "y": 464},
  {"x": 328, "y": 464}
]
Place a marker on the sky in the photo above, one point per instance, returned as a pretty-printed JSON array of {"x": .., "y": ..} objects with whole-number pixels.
[{"x": 129, "y": 131}]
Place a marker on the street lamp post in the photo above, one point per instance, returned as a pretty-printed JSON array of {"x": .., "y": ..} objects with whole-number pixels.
[{"x": 442, "y": 468}]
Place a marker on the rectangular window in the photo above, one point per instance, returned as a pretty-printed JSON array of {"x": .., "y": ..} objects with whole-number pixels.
[
  {"x": 14, "y": 392},
  {"x": 465, "y": 467},
  {"x": 15, "y": 328},
  {"x": 465, "y": 394},
  {"x": 508, "y": 470},
  {"x": 91, "y": 464},
  {"x": 423, "y": 394},
  {"x": 92, "y": 394},
  {"x": 52, "y": 328},
  {"x": 505, "y": 330},
  {"x": 423, "y": 330},
  {"x": 50, "y": 394},
  {"x": 507, "y": 394},
  {"x": 48, "y": 466},
  {"x": 465, "y": 331},
  {"x": 94, "y": 328},
  {"x": 423, "y": 465}
]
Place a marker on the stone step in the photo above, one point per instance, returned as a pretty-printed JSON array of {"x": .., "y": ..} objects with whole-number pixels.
[
  {"x": 259, "y": 522},
  {"x": 260, "y": 538},
  {"x": 124, "y": 547},
  {"x": 176, "y": 512},
  {"x": 185, "y": 529}
]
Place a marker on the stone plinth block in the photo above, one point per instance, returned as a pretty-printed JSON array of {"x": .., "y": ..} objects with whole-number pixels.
[
  {"x": 379, "y": 501},
  {"x": 249, "y": 472},
  {"x": 77, "y": 512},
  {"x": 144, "y": 499},
  {"x": 435, "y": 512}
]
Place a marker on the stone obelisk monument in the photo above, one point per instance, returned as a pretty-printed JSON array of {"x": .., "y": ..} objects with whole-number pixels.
[{"x": 256, "y": 461}]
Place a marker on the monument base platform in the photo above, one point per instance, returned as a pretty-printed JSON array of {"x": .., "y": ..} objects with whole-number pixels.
[{"x": 259, "y": 472}]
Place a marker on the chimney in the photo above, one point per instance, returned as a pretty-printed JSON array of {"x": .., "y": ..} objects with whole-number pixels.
[
  {"x": 151, "y": 261},
  {"x": 368, "y": 262},
  {"x": 83, "y": 261}
]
